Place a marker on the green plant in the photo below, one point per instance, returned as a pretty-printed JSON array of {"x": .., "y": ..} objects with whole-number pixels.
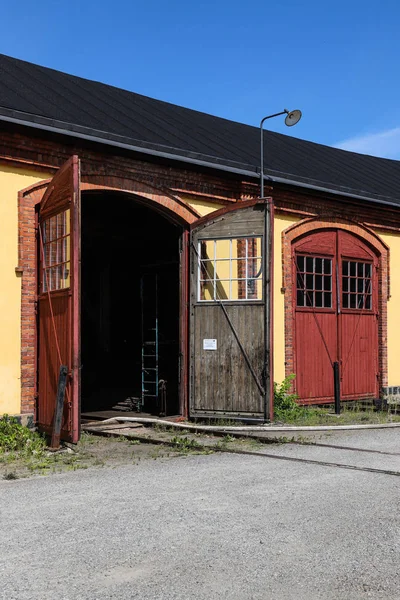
[
  {"x": 14, "y": 437},
  {"x": 183, "y": 444},
  {"x": 10, "y": 475},
  {"x": 88, "y": 438},
  {"x": 285, "y": 404}
]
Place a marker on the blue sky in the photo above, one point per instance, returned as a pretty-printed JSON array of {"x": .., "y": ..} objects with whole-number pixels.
[{"x": 337, "y": 61}]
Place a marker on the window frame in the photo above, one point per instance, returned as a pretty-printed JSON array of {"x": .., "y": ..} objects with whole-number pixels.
[
  {"x": 245, "y": 260},
  {"x": 60, "y": 236},
  {"x": 349, "y": 310},
  {"x": 333, "y": 291}
]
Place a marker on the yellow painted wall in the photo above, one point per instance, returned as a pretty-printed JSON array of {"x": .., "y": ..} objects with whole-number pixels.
[
  {"x": 393, "y": 307},
  {"x": 202, "y": 206},
  {"x": 11, "y": 182},
  {"x": 281, "y": 223}
]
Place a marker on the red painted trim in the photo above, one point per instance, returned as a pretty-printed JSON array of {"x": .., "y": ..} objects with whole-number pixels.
[
  {"x": 271, "y": 312},
  {"x": 184, "y": 326},
  {"x": 36, "y": 329},
  {"x": 76, "y": 301}
]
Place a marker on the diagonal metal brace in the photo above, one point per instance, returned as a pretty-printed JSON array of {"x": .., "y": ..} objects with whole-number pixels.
[{"x": 246, "y": 358}]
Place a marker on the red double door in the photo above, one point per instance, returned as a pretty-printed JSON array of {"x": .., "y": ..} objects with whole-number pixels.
[{"x": 335, "y": 283}]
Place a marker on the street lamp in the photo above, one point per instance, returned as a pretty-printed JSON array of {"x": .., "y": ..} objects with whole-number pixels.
[{"x": 291, "y": 119}]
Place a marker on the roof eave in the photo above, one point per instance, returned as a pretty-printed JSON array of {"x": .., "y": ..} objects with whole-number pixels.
[{"x": 190, "y": 160}]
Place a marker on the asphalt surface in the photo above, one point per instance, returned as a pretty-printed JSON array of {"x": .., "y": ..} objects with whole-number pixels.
[{"x": 205, "y": 527}]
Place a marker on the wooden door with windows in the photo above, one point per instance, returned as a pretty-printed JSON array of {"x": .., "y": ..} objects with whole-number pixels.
[
  {"x": 58, "y": 299},
  {"x": 336, "y": 317},
  {"x": 229, "y": 343}
]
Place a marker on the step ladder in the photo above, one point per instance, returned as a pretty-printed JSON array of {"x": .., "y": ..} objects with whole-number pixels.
[{"x": 150, "y": 342}]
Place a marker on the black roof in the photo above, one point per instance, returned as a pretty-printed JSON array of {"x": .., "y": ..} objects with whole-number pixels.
[{"x": 40, "y": 97}]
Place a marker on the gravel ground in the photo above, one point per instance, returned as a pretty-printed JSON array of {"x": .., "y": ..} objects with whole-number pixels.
[
  {"x": 201, "y": 527},
  {"x": 379, "y": 442},
  {"x": 385, "y": 440}
]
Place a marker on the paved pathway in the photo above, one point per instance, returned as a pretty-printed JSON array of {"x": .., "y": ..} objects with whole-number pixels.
[{"x": 206, "y": 527}]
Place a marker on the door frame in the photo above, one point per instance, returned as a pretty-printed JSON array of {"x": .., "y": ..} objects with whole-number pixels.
[
  {"x": 183, "y": 267},
  {"x": 368, "y": 236},
  {"x": 27, "y": 269}
]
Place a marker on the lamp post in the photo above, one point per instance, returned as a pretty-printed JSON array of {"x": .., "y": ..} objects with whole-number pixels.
[{"x": 292, "y": 118}]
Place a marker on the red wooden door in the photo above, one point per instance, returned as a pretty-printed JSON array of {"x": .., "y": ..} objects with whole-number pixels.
[
  {"x": 58, "y": 299},
  {"x": 358, "y": 318},
  {"x": 315, "y": 314},
  {"x": 335, "y": 302}
]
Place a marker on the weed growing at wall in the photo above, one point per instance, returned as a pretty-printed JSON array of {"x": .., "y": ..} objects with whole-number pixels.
[
  {"x": 285, "y": 405},
  {"x": 14, "y": 437}
]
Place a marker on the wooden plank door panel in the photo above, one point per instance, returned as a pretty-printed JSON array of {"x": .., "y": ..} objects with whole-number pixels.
[
  {"x": 359, "y": 368},
  {"x": 314, "y": 375},
  {"x": 222, "y": 381}
]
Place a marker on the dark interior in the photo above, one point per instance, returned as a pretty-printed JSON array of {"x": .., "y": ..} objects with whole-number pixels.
[{"x": 130, "y": 296}]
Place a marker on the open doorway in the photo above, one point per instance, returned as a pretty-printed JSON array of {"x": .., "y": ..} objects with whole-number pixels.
[{"x": 129, "y": 307}]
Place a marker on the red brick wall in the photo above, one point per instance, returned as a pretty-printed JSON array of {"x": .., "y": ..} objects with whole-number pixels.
[
  {"x": 27, "y": 263},
  {"x": 164, "y": 184}
]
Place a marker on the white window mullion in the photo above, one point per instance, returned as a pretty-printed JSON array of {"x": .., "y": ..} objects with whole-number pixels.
[
  {"x": 213, "y": 260},
  {"x": 215, "y": 270},
  {"x": 246, "y": 255},
  {"x": 230, "y": 269},
  {"x": 199, "y": 270}
]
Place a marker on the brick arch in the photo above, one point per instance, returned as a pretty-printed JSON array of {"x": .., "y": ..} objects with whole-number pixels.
[
  {"x": 317, "y": 223},
  {"x": 28, "y": 200},
  {"x": 311, "y": 225},
  {"x": 171, "y": 205}
]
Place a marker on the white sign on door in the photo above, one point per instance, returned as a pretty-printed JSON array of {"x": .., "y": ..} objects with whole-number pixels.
[{"x": 209, "y": 344}]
